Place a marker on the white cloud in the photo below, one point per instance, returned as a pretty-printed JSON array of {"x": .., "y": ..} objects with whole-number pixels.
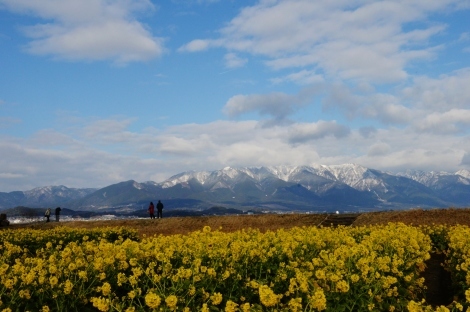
[
  {"x": 48, "y": 138},
  {"x": 442, "y": 93},
  {"x": 367, "y": 132},
  {"x": 450, "y": 122},
  {"x": 301, "y": 133},
  {"x": 277, "y": 104},
  {"x": 379, "y": 149},
  {"x": 89, "y": 30},
  {"x": 109, "y": 130},
  {"x": 351, "y": 40},
  {"x": 303, "y": 77},
  {"x": 233, "y": 61},
  {"x": 388, "y": 113},
  {"x": 438, "y": 105},
  {"x": 386, "y": 108},
  {"x": 194, "y": 1},
  {"x": 196, "y": 46},
  {"x": 465, "y": 36}
]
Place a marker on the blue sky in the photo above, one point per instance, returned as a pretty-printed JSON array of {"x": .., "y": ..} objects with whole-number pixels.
[{"x": 96, "y": 92}]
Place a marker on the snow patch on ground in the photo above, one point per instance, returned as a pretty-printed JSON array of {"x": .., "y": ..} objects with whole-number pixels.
[{"x": 24, "y": 220}]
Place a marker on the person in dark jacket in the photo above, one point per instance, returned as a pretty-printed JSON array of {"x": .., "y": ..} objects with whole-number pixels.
[
  {"x": 57, "y": 214},
  {"x": 151, "y": 210},
  {"x": 159, "y": 210}
]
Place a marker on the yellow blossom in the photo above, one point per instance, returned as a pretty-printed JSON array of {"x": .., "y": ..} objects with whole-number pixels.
[
  {"x": 152, "y": 300},
  {"x": 267, "y": 297},
  {"x": 216, "y": 298},
  {"x": 171, "y": 301},
  {"x": 231, "y": 306}
]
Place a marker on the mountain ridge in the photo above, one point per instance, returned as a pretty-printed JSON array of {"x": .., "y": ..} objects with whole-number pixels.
[{"x": 347, "y": 186}]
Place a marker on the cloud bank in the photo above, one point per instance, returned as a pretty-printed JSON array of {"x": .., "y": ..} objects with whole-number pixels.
[{"x": 89, "y": 30}]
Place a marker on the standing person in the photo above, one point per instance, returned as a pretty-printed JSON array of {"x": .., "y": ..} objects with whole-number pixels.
[
  {"x": 47, "y": 214},
  {"x": 57, "y": 214},
  {"x": 151, "y": 210},
  {"x": 159, "y": 210}
]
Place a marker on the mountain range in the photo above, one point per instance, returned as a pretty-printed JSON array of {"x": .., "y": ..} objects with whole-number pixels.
[{"x": 347, "y": 187}]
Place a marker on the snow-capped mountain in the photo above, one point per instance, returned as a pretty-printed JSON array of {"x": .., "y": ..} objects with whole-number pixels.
[
  {"x": 355, "y": 176},
  {"x": 434, "y": 178},
  {"x": 43, "y": 196},
  {"x": 317, "y": 187},
  {"x": 49, "y": 193},
  {"x": 348, "y": 184},
  {"x": 452, "y": 187}
]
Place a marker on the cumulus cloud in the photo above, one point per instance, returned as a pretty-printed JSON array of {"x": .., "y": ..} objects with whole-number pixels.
[
  {"x": 232, "y": 60},
  {"x": 89, "y": 30},
  {"x": 379, "y": 149},
  {"x": 389, "y": 113},
  {"x": 442, "y": 93},
  {"x": 386, "y": 108},
  {"x": 450, "y": 122},
  {"x": 367, "y": 132},
  {"x": 351, "y": 40},
  {"x": 301, "y": 133},
  {"x": 277, "y": 104}
]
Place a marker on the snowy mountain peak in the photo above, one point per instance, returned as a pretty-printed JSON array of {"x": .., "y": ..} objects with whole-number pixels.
[
  {"x": 184, "y": 177},
  {"x": 137, "y": 185},
  {"x": 464, "y": 173},
  {"x": 281, "y": 172},
  {"x": 353, "y": 175},
  {"x": 426, "y": 178},
  {"x": 229, "y": 172},
  {"x": 356, "y": 176}
]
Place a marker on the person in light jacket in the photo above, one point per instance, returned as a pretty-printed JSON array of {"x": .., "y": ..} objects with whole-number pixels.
[{"x": 47, "y": 214}]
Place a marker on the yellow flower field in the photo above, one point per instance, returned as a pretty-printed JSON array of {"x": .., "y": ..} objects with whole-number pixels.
[{"x": 369, "y": 268}]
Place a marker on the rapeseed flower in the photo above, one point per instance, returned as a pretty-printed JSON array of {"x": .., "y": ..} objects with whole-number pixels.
[
  {"x": 267, "y": 297},
  {"x": 231, "y": 306},
  {"x": 171, "y": 301},
  {"x": 216, "y": 298},
  {"x": 152, "y": 300}
]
